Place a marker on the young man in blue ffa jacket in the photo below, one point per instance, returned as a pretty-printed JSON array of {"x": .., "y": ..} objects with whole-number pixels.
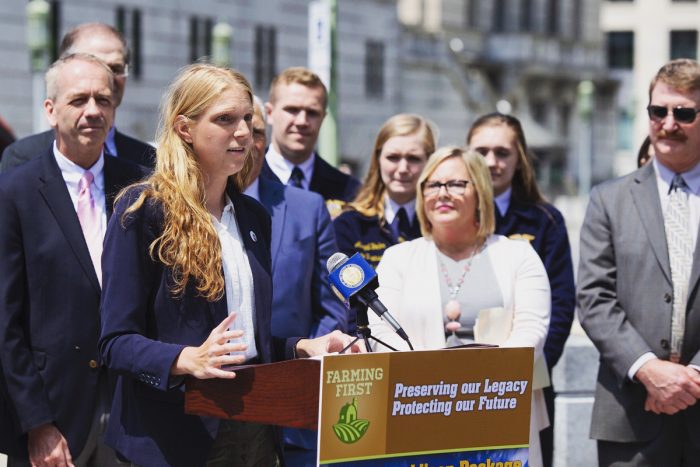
[
  {"x": 107, "y": 44},
  {"x": 302, "y": 241},
  {"x": 54, "y": 391},
  {"x": 296, "y": 109}
]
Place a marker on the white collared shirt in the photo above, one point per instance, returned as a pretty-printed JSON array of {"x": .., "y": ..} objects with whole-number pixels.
[
  {"x": 282, "y": 168},
  {"x": 253, "y": 190},
  {"x": 72, "y": 173},
  {"x": 391, "y": 207},
  {"x": 503, "y": 201},
  {"x": 238, "y": 278}
]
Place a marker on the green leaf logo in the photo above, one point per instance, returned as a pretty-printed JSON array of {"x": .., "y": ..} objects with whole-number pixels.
[{"x": 349, "y": 428}]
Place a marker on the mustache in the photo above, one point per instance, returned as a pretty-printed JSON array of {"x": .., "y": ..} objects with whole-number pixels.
[{"x": 673, "y": 135}]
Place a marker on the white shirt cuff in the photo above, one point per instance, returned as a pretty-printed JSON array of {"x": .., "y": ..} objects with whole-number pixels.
[{"x": 638, "y": 364}]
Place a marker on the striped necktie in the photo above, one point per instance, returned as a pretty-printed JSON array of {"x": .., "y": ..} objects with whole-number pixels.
[{"x": 680, "y": 254}]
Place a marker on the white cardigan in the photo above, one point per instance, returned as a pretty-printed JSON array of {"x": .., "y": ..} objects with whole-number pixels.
[{"x": 409, "y": 287}]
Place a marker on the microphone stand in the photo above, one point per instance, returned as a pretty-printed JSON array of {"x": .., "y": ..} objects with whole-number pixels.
[{"x": 364, "y": 333}]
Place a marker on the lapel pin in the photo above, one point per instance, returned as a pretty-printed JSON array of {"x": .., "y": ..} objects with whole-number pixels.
[{"x": 253, "y": 236}]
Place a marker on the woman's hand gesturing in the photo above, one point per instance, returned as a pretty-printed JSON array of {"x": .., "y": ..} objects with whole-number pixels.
[{"x": 205, "y": 361}]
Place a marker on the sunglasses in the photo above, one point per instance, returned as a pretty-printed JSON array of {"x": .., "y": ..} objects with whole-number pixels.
[{"x": 680, "y": 114}]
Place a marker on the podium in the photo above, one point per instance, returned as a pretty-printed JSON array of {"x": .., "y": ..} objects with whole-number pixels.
[{"x": 444, "y": 407}]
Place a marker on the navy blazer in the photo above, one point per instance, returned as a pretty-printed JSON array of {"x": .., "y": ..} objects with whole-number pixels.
[
  {"x": 31, "y": 146},
  {"x": 543, "y": 226},
  {"x": 144, "y": 329},
  {"x": 326, "y": 180},
  {"x": 49, "y": 304},
  {"x": 302, "y": 241}
]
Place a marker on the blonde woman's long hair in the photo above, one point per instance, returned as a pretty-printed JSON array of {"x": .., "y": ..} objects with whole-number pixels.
[
  {"x": 189, "y": 244},
  {"x": 370, "y": 199}
]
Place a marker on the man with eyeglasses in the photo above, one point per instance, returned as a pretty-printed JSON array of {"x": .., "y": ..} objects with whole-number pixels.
[
  {"x": 638, "y": 288},
  {"x": 302, "y": 241},
  {"x": 107, "y": 44}
]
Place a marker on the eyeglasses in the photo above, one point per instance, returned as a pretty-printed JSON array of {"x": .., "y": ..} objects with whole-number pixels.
[
  {"x": 259, "y": 133},
  {"x": 119, "y": 70},
  {"x": 680, "y": 114},
  {"x": 453, "y": 187}
]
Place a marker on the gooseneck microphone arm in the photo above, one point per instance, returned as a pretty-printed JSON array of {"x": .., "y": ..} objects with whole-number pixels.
[{"x": 363, "y": 292}]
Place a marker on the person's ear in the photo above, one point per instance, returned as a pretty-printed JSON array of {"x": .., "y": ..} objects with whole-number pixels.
[
  {"x": 50, "y": 112},
  {"x": 182, "y": 128}
]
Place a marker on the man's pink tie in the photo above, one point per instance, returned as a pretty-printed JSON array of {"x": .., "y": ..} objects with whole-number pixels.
[{"x": 90, "y": 222}]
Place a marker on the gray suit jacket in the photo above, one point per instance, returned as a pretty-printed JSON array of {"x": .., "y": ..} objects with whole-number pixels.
[{"x": 625, "y": 299}]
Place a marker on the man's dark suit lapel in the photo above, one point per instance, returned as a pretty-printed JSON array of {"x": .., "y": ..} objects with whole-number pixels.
[
  {"x": 53, "y": 190},
  {"x": 645, "y": 194},
  {"x": 272, "y": 197},
  {"x": 114, "y": 181}
]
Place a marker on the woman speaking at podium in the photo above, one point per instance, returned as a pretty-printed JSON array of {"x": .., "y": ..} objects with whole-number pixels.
[
  {"x": 187, "y": 286},
  {"x": 461, "y": 283}
]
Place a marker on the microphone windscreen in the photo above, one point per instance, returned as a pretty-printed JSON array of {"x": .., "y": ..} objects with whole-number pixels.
[{"x": 335, "y": 261}]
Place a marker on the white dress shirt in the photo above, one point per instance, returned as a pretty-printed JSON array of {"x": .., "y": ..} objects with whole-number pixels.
[
  {"x": 253, "y": 190},
  {"x": 503, "y": 201},
  {"x": 238, "y": 278},
  {"x": 72, "y": 173},
  {"x": 282, "y": 168}
]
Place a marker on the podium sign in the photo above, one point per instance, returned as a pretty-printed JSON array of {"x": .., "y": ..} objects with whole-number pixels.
[{"x": 459, "y": 407}]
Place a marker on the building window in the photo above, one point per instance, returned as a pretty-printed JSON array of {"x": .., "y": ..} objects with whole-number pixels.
[
  {"x": 136, "y": 47},
  {"x": 200, "y": 37},
  {"x": 526, "y": 15},
  {"x": 538, "y": 110},
  {"x": 553, "y": 17},
  {"x": 577, "y": 18},
  {"x": 374, "y": 69},
  {"x": 128, "y": 22},
  {"x": 265, "y": 55},
  {"x": 54, "y": 29},
  {"x": 120, "y": 19},
  {"x": 621, "y": 50},
  {"x": 499, "y": 16},
  {"x": 472, "y": 11},
  {"x": 684, "y": 44}
]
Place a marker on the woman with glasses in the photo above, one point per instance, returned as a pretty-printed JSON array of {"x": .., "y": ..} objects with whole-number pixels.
[
  {"x": 522, "y": 213},
  {"x": 186, "y": 283},
  {"x": 438, "y": 286},
  {"x": 383, "y": 213}
]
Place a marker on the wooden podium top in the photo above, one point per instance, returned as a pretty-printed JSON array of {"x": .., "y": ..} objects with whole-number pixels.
[{"x": 286, "y": 394}]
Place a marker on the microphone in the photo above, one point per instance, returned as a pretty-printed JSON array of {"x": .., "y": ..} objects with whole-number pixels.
[{"x": 353, "y": 279}]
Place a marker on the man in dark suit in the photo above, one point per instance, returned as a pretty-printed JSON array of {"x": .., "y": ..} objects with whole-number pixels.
[
  {"x": 107, "y": 44},
  {"x": 54, "y": 209},
  {"x": 638, "y": 288},
  {"x": 296, "y": 109},
  {"x": 302, "y": 241}
]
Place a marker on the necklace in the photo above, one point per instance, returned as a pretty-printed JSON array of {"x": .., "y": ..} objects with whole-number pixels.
[
  {"x": 452, "y": 308},
  {"x": 453, "y": 289}
]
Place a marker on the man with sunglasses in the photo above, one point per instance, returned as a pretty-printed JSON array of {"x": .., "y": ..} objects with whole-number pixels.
[
  {"x": 107, "y": 44},
  {"x": 638, "y": 284}
]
